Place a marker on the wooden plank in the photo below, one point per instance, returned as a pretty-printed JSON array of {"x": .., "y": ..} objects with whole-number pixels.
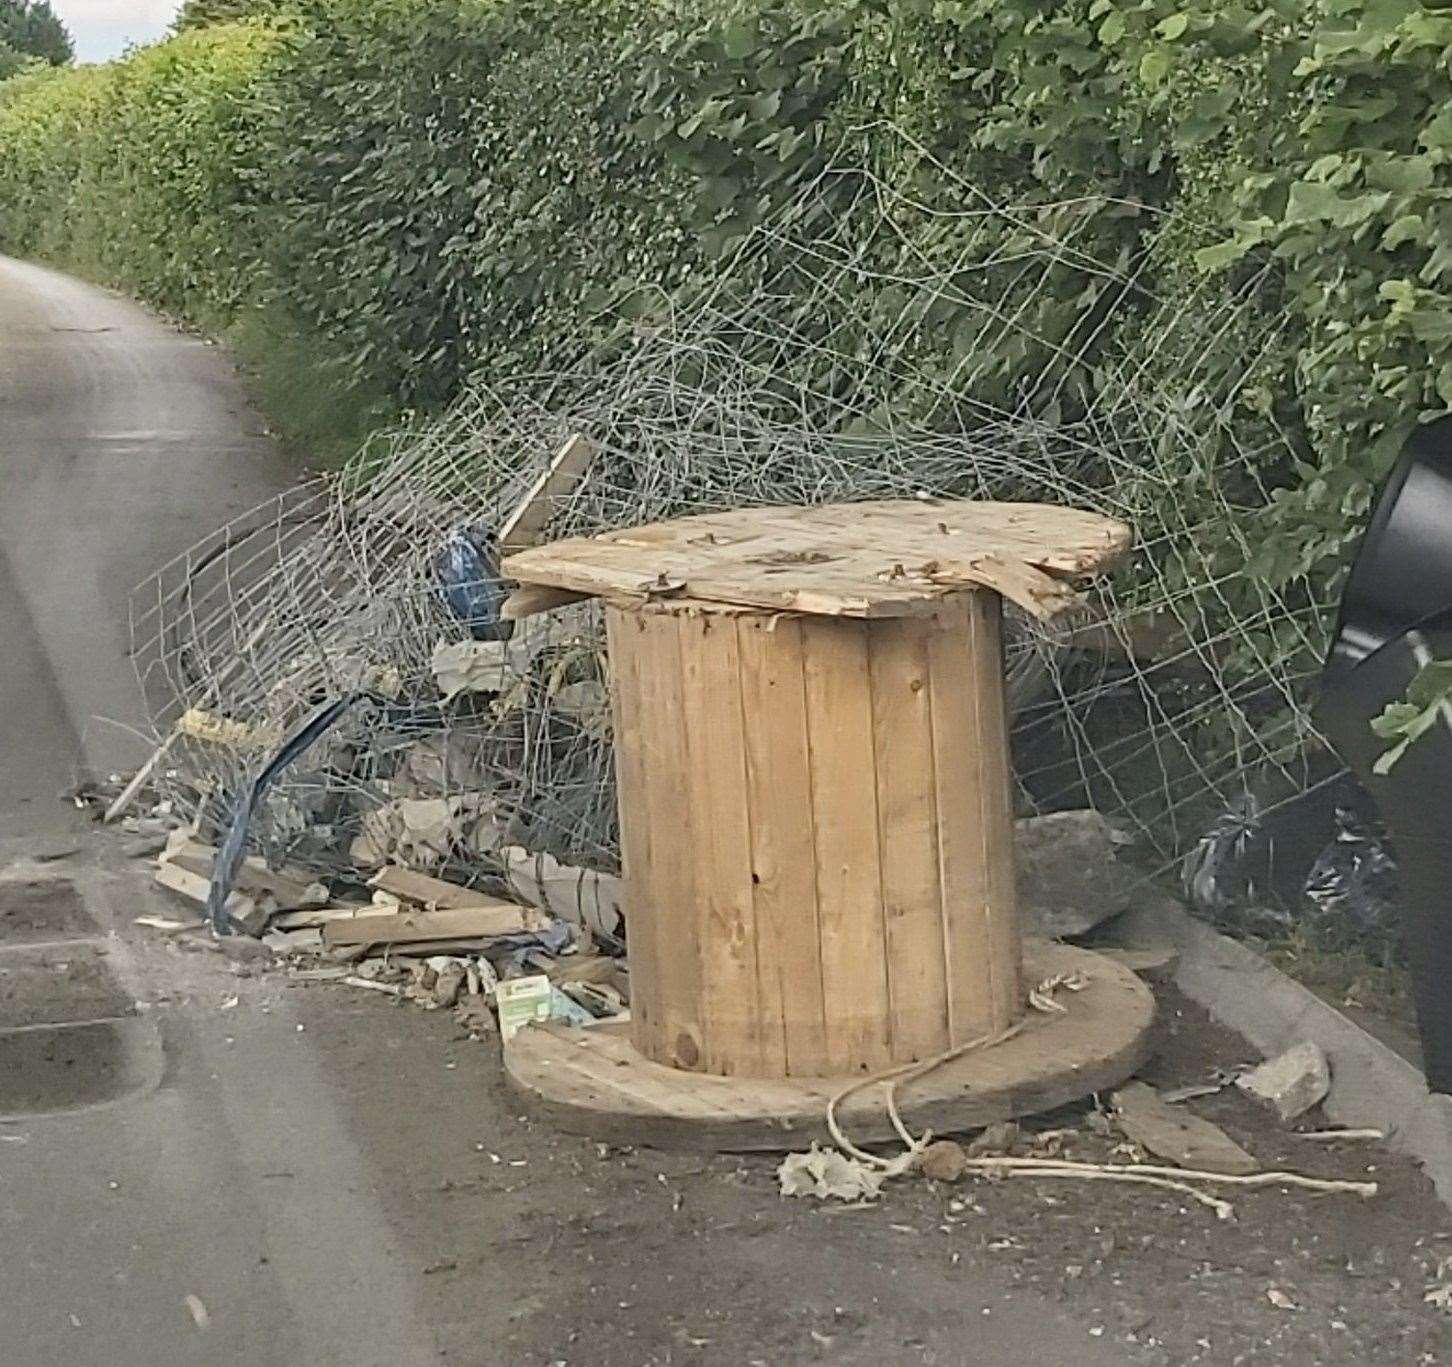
[
  {"x": 415, "y": 927},
  {"x": 632, "y": 794},
  {"x": 535, "y": 598},
  {"x": 957, "y": 778},
  {"x": 665, "y": 891},
  {"x": 524, "y": 525},
  {"x": 779, "y": 779},
  {"x": 995, "y": 812},
  {"x": 434, "y": 893},
  {"x": 311, "y": 917},
  {"x": 732, "y": 1025},
  {"x": 854, "y": 950},
  {"x": 907, "y": 825}
]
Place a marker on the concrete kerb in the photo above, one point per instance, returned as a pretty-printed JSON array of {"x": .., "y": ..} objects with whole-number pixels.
[{"x": 1371, "y": 1085}]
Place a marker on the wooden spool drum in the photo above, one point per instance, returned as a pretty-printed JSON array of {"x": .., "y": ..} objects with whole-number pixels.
[{"x": 817, "y": 835}]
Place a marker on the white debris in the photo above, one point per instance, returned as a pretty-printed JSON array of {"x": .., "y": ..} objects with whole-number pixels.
[
  {"x": 829, "y": 1175},
  {"x": 583, "y": 897},
  {"x": 471, "y": 667}
]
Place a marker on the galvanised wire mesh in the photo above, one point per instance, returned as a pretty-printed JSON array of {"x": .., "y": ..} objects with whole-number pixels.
[{"x": 869, "y": 341}]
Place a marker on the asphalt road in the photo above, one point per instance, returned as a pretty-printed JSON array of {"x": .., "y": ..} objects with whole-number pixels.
[
  {"x": 305, "y": 1176},
  {"x": 122, "y": 443}
]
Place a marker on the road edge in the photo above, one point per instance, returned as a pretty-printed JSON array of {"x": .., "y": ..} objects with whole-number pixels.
[{"x": 1371, "y": 1085}]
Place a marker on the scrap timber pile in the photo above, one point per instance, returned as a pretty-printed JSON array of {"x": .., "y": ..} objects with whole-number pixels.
[{"x": 810, "y": 368}]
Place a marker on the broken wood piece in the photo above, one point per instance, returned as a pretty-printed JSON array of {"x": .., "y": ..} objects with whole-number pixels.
[
  {"x": 1178, "y": 1135},
  {"x": 242, "y": 909},
  {"x": 294, "y": 941},
  {"x": 1331, "y": 1136},
  {"x": 393, "y": 989},
  {"x": 428, "y": 949},
  {"x": 167, "y": 925},
  {"x": 531, "y": 599},
  {"x": 484, "y": 921},
  {"x": 309, "y": 918},
  {"x": 432, "y": 893},
  {"x": 523, "y": 526},
  {"x": 253, "y": 875},
  {"x": 1039, "y": 594},
  {"x": 127, "y": 795}
]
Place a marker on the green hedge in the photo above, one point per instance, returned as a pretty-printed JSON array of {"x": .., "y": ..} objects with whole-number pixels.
[{"x": 415, "y": 191}]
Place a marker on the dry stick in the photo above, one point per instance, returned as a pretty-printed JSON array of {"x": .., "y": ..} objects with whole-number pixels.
[
  {"x": 1108, "y": 1173},
  {"x": 1255, "y": 1179},
  {"x": 1329, "y": 1135}
]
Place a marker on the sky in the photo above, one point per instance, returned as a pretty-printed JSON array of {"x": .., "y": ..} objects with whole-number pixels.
[{"x": 105, "y": 28}]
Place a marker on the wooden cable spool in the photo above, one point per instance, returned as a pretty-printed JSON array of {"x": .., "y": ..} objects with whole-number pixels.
[{"x": 813, "y": 773}]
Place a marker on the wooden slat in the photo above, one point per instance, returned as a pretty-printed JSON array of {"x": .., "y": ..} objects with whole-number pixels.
[
  {"x": 431, "y": 892},
  {"x": 958, "y": 780},
  {"x": 731, "y": 1023},
  {"x": 669, "y": 884},
  {"x": 415, "y": 927},
  {"x": 534, "y": 598},
  {"x": 524, "y": 525},
  {"x": 641, "y": 926},
  {"x": 907, "y": 823},
  {"x": 995, "y": 812},
  {"x": 773, "y": 697},
  {"x": 854, "y": 953}
]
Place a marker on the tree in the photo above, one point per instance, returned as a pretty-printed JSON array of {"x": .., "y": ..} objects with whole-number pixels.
[
  {"x": 12, "y": 63},
  {"x": 30, "y": 27},
  {"x": 200, "y": 13}
]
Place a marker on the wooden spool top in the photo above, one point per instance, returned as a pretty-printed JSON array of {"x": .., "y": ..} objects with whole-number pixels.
[{"x": 889, "y": 558}]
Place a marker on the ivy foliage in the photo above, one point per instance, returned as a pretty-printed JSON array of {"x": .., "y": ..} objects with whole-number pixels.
[{"x": 1429, "y": 695}]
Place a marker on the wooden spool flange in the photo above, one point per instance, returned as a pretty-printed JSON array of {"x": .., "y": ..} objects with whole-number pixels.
[{"x": 593, "y": 1081}]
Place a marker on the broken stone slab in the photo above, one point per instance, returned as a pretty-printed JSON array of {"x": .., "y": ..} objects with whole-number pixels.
[
  {"x": 1292, "y": 1082},
  {"x": 1142, "y": 937},
  {"x": 1177, "y": 1135},
  {"x": 1068, "y": 877}
]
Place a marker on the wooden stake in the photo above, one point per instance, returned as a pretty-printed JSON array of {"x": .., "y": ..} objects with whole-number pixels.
[{"x": 522, "y": 527}]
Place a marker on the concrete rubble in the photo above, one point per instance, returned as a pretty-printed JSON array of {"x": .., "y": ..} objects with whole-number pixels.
[
  {"x": 1069, "y": 880},
  {"x": 1292, "y": 1082}
]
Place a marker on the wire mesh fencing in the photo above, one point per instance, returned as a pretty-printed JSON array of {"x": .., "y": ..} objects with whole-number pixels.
[{"x": 869, "y": 341}]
